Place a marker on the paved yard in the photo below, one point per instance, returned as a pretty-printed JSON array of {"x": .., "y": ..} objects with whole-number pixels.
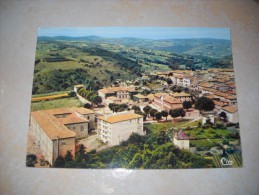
[{"x": 91, "y": 142}]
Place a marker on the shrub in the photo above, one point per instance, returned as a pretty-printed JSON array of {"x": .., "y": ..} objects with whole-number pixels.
[
  {"x": 31, "y": 160},
  {"x": 220, "y": 125},
  {"x": 87, "y": 105}
]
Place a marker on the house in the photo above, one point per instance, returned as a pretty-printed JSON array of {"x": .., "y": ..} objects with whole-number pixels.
[
  {"x": 210, "y": 118},
  {"x": 114, "y": 100},
  {"x": 53, "y": 137},
  {"x": 140, "y": 98},
  {"x": 55, "y": 131},
  {"x": 119, "y": 92},
  {"x": 189, "y": 81},
  {"x": 220, "y": 95},
  {"x": 232, "y": 113},
  {"x": 232, "y": 99},
  {"x": 181, "y": 140},
  {"x": 117, "y": 127},
  {"x": 166, "y": 102},
  {"x": 179, "y": 80},
  {"x": 192, "y": 113},
  {"x": 182, "y": 96}
]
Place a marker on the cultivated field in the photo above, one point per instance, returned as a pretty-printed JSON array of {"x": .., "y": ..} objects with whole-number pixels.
[{"x": 57, "y": 103}]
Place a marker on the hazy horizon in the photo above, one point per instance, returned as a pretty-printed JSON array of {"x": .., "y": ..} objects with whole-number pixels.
[{"x": 153, "y": 33}]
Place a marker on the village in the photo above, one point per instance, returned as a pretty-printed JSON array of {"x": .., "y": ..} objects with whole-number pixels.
[{"x": 178, "y": 103}]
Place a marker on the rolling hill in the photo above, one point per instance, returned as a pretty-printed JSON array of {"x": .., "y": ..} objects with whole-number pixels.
[{"x": 62, "y": 62}]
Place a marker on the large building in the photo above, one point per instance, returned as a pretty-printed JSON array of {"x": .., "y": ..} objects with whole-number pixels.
[
  {"x": 55, "y": 131},
  {"x": 117, "y": 127},
  {"x": 118, "y": 92},
  {"x": 166, "y": 101}
]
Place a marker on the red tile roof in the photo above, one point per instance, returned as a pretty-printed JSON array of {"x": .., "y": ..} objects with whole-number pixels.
[
  {"x": 53, "y": 128},
  {"x": 116, "y": 89},
  {"x": 120, "y": 117},
  {"x": 230, "y": 109},
  {"x": 182, "y": 136}
]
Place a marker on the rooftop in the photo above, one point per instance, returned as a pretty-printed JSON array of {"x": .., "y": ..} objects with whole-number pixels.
[
  {"x": 230, "y": 109},
  {"x": 115, "y": 89},
  {"x": 182, "y": 94},
  {"x": 120, "y": 117},
  {"x": 51, "y": 125},
  {"x": 80, "y": 110},
  {"x": 140, "y": 96},
  {"x": 180, "y": 135}
]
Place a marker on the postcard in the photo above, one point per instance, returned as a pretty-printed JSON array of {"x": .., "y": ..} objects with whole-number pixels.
[{"x": 135, "y": 98}]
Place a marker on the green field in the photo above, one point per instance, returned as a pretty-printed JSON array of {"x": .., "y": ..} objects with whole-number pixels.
[
  {"x": 200, "y": 137},
  {"x": 206, "y": 143},
  {"x": 157, "y": 127},
  {"x": 58, "y": 103},
  {"x": 200, "y": 133}
]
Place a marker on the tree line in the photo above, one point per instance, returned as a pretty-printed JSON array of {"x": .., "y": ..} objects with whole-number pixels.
[
  {"x": 89, "y": 95},
  {"x": 138, "y": 152}
]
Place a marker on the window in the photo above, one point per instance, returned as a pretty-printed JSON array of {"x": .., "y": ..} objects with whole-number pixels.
[
  {"x": 63, "y": 143},
  {"x": 88, "y": 117},
  {"x": 74, "y": 127},
  {"x": 82, "y": 128}
]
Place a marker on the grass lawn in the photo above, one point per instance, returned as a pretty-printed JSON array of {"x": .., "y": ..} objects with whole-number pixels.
[
  {"x": 157, "y": 127},
  {"x": 58, "y": 103},
  {"x": 207, "y": 133},
  {"x": 194, "y": 123},
  {"x": 206, "y": 143}
]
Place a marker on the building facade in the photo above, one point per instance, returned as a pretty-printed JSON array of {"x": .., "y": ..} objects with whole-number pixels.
[
  {"x": 181, "y": 140},
  {"x": 118, "y": 92},
  {"x": 117, "y": 127},
  {"x": 55, "y": 131}
]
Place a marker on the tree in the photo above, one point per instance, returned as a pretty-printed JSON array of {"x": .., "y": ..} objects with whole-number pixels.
[
  {"x": 90, "y": 94},
  {"x": 223, "y": 115},
  {"x": 147, "y": 109},
  {"x": 158, "y": 116},
  {"x": 136, "y": 161},
  {"x": 111, "y": 78},
  {"x": 176, "y": 113},
  {"x": 136, "y": 83},
  {"x": 97, "y": 99},
  {"x": 135, "y": 139},
  {"x": 68, "y": 157},
  {"x": 187, "y": 105},
  {"x": 182, "y": 112},
  {"x": 81, "y": 149},
  {"x": 152, "y": 112},
  {"x": 170, "y": 112},
  {"x": 164, "y": 113},
  {"x": 87, "y": 105},
  {"x": 72, "y": 94},
  {"x": 31, "y": 160},
  {"x": 135, "y": 108},
  {"x": 169, "y": 81},
  {"x": 204, "y": 104},
  {"x": 59, "y": 162}
]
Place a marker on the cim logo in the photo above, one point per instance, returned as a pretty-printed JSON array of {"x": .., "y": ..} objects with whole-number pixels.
[{"x": 225, "y": 161}]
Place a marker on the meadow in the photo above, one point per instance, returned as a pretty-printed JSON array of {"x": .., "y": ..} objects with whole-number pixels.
[{"x": 57, "y": 103}]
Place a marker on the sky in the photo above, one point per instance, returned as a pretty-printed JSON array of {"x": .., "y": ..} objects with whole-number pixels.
[{"x": 139, "y": 32}]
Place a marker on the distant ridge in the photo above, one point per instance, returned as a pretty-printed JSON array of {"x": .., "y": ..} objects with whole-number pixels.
[
  {"x": 68, "y": 38},
  {"x": 216, "y": 48}
]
